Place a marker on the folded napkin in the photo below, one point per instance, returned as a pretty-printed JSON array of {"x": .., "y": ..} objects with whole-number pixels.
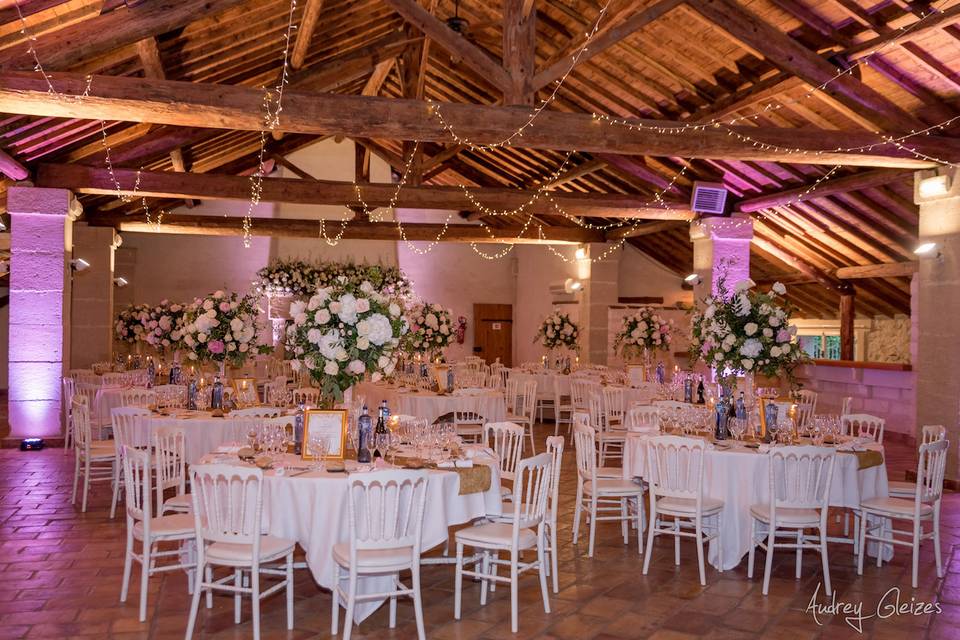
[{"x": 456, "y": 464}]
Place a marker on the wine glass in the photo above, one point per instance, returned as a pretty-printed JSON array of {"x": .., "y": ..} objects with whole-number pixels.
[
  {"x": 737, "y": 427},
  {"x": 371, "y": 444},
  {"x": 318, "y": 449}
]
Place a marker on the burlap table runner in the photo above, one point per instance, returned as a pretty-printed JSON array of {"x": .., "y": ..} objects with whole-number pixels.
[
  {"x": 475, "y": 479},
  {"x": 867, "y": 459}
]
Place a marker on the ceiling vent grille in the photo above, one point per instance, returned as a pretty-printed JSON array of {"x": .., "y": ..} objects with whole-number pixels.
[{"x": 709, "y": 197}]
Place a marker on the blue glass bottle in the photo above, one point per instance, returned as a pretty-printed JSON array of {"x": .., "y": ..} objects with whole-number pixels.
[
  {"x": 216, "y": 396},
  {"x": 364, "y": 431},
  {"x": 661, "y": 374}
]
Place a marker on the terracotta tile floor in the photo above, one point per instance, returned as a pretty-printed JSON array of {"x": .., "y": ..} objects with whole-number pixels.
[{"x": 60, "y": 578}]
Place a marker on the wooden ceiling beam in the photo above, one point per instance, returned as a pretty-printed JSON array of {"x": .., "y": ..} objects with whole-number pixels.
[
  {"x": 941, "y": 19},
  {"x": 235, "y": 107},
  {"x": 308, "y": 24},
  {"x": 89, "y": 38},
  {"x": 885, "y": 270},
  {"x": 801, "y": 265},
  {"x": 11, "y": 167},
  {"x": 212, "y": 225},
  {"x": 454, "y": 43},
  {"x": 519, "y": 51},
  {"x": 165, "y": 184},
  {"x": 863, "y": 180},
  {"x": 645, "y": 229},
  {"x": 791, "y": 56}
]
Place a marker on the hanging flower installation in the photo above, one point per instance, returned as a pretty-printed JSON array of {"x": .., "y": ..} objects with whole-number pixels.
[
  {"x": 221, "y": 327},
  {"x": 745, "y": 332},
  {"x": 644, "y": 331},
  {"x": 558, "y": 331},
  {"x": 343, "y": 332},
  {"x": 287, "y": 277},
  {"x": 431, "y": 329},
  {"x": 300, "y": 278}
]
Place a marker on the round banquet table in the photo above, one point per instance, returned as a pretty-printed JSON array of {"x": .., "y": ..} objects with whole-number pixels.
[
  {"x": 203, "y": 433},
  {"x": 489, "y": 403},
  {"x": 311, "y": 508},
  {"x": 740, "y": 477},
  {"x": 107, "y": 399}
]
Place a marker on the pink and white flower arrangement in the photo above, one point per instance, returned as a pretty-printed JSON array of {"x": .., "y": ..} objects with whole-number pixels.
[
  {"x": 558, "y": 331},
  {"x": 745, "y": 331},
  {"x": 165, "y": 325},
  {"x": 221, "y": 327},
  {"x": 133, "y": 324},
  {"x": 344, "y": 332},
  {"x": 643, "y": 331},
  {"x": 431, "y": 328}
]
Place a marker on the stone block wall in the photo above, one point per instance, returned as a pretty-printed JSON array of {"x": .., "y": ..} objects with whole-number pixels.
[{"x": 888, "y": 340}]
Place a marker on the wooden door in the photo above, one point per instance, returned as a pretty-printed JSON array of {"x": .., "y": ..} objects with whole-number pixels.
[{"x": 493, "y": 332}]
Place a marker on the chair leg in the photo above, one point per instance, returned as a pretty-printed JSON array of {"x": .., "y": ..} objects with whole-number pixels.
[
  {"x": 514, "y": 579},
  {"x": 543, "y": 572},
  {"x": 651, "y": 528},
  {"x": 799, "y": 552},
  {"x": 577, "y": 511},
  {"x": 144, "y": 577},
  {"x": 640, "y": 524},
  {"x": 238, "y": 583},
  {"x": 457, "y": 586},
  {"x": 768, "y": 561},
  {"x": 676, "y": 542},
  {"x": 209, "y": 578},
  {"x": 884, "y": 523},
  {"x": 86, "y": 483},
  {"x": 393, "y": 606},
  {"x": 719, "y": 542},
  {"x": 593, "y": 523},
  {"x": 127, "y": 564},
  {"x": 116, "y": 488},
  {"x": 484, "y": 583},
  {"x": 862, "y": 544},
  {"x": 553, "y": 557},
  {"x": 936, "y": 540},
  {"x": 624, "y": 517},
  {"x": 255, "y": 599},
  {"x": 195, "y": 603},
  {"x": 290, "y": 592},
  {"x": 824, "y": 559},
  {"x": 417, "y": 600},
  {"x": 916, "y": 551},
  {"x": 335, "y": 601},
  {"x": 700, "y": 564},
  {"x": 753, "y": 547},
  {"x": 76, "y": 478}
]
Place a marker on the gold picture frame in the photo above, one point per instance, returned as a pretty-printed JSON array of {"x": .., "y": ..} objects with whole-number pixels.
[{"x": 333, "y": 423}]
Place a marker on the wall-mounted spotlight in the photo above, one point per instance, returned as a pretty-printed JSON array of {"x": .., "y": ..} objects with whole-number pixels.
[
  {"x": 79, "y": 264},
  {"x": 934, "y": 186},
  {"x": 928, "y": 250},
  {"x": 693, "y": 279},
  {"x": 3, "y": 227},
  {"x": 120, "y": 281},
  {"x": 580, "y": 253},
  {"x": 572, "y": 285}
]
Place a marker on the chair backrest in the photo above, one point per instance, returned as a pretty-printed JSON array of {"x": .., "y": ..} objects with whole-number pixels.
[
  {"x": 846, "y": 406},
  {"x": 306, "y": 395},
  {"x": 580, "y": 389},
  {"x": 596, "y": 411},
  {"x": 259, "y": 412},
  {"x": 129, "y": 427},
  {"x": 932, "y": 433},
  {"x": 169, "y": 444},
  {"x": 138, "y": 397},
  {"x": 555, "y": 446},
  {"x": 467, "y": 409},
  {"x": 80, "y": 414},
  {"x": 931, "y": 466},
  {"x": 614, "y": 401},
  {"x": 506, "y": 440},
  {"x": 806, "y": 406},
  {"x": 522, "y": 398},
  {"x": 800, "y": 477},
  {"x": 864, "y": 425},
  {"x": 69, "y": 389},
  {"x": 585, "y": 444},
  {"x": 531, "y": 488},
  {"x": 643, "y": 417},
  {"x": 676, "y": 467},
  {"x": 385, "y": 511},
  {"x": 111, "y": 379},
  {"x": 136, "y": 481},
  {"x": 227, "y": 504}
]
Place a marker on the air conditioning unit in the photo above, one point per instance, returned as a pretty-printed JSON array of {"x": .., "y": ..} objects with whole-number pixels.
[{"x": 709, "y": 198}]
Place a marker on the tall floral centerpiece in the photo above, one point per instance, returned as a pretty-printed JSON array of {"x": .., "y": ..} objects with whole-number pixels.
[
  {"x": 133, "y": 324},
  {"x": 643, "y": 332},
  {"x": 431, "y": 329},
  {"x": 558, "y": 331},
  {"x": 165, "y": 327},
  {"x": 745, "y": 332},
  {"x": 343, "y": 332},
  {"x": 287, "y": 277},
  {"x": 222, "y": 328}
]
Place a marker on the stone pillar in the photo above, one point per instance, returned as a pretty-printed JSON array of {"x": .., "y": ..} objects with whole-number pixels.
[
  {"x": 937, "y": 309},
  {"x": 601, "y": 291},
  {"x": 720, "y": 244},
  {"x": 92, "y": 316},
  {"x": 40, "y": 254}
]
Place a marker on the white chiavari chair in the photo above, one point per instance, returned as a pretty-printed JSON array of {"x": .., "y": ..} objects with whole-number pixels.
[
  {"x": 142, "y": 526},
  {"x": 138, "y": 397},
  {"x": 526, "y": 530},
  {"x": 598, "y": 495},
  {"x": 901, "y": 489},
  {"x": 521, "y": 403},
  {"x": 643, "y": 418},
  {"x": 676, "y": 491},
  {"x": 129, "y": 430},
  {"x": 864, "y": 425},
  {"x": 95, "y": 459},
  {"x": 468, "y": 419},
  {"x": 309, "y": 396},
  {"x": 924, "y": 507},
  {"x": 563, "y": 407},
  {"x": 505, "y": 439},
  {"x": 799, "y": 500},
  {"x": 228, "y": 517},
  {"x": 169, "y": 446},
  {"x": 385, "y": 511}
]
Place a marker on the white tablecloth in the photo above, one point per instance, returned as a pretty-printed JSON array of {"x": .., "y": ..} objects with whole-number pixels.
[
  {"x": 740, "y": 477},
  {"x": 203, "y": 433},
  {"x": 107, "y": 398},
  {"x": 312, "y": 509},
  {"x": 422, "y": 404}
]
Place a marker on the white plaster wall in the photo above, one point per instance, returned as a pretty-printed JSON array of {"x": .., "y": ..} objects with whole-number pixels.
[
  {"x": 641, "y": 276},
  {"x": 537, "y": 268}
]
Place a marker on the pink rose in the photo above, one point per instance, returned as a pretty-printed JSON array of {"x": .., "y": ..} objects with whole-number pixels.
[
  {"x": 215, "y": 346},
  {"x": 783, "y": 335},
  {"x": 224, "y": 306}
]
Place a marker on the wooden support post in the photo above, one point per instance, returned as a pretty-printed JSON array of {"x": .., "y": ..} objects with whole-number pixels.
[
  {"x": 519, "y": 51},
  {"x": 847, "y": 314}
]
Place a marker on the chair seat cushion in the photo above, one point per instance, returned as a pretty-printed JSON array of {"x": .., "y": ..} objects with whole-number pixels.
[
  {"x": 895, "y": 506},
  {"x": 688, "y": 505},
  {"x": 238, "y": 554},
  {"x": 900, "y": 489},
  {"x": 612, "y": 486},
  {"x": 175, "y": 526},
  {"x": 609, "y": 472},
  {"x": 391, "y": 559},
  {"x": 183, "y": 502},
  {"x": 102, "y": 449},
  {"x": 787, "y": 516},
  {"x": 497, "y": 534}
]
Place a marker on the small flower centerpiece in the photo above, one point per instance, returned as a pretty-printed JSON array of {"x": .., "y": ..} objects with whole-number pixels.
[
  {"x": 221, "y": 327},
  {"x": 643, "y": 332},
  {"x": 165, "y": 328},
  {"x": 558, "y": 331},
  {"x": 745, "y": 331},
  {"x": 133, "y": 324},
  {"x": 344, "y": 332},
  {"x": 431, "y": 329}
]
